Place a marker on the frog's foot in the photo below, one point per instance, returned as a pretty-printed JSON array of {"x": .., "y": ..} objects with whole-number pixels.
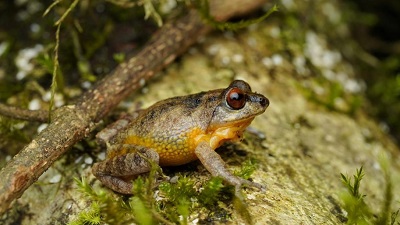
[
  {"x": 216, "y": 166},
  {"x": 113, "y": 172},
  {"x": 248, "y": 183}
]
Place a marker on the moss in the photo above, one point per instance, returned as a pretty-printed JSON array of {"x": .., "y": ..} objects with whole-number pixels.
[
  {"x": 168, "y": 202},
  {"x": 90, "y": 216},
  {"x": 103, "y": 205}
]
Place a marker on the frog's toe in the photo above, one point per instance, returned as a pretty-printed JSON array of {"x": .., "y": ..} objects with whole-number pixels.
[{"x": 253, "y": 184}]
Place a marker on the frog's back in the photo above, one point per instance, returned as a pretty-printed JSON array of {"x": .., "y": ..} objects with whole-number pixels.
[{"x": 170, "y": 127}]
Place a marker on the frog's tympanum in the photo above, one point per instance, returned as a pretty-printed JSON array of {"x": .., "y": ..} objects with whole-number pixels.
[{"x": 180, "y": 130}]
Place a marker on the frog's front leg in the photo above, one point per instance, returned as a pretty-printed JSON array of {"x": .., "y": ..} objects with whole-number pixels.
[
  {"x": 116, "y": 173},
  {"x": 216, "y": 166}
]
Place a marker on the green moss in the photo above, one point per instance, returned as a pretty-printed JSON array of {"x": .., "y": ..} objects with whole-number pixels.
[
  {"x": 90, "y": 216},
  {"x": 141, "y": 211},
  {"x": 247, "y": 169},
  {"x": 182, "y": 198},
  {"x": 211, "y": 191},
  {"x": 103, "y": 205},
  {"x": 119, "y": 57},
  {"x": 167, "y": 203}
]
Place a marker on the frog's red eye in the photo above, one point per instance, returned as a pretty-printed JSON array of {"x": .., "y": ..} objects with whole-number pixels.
[{"x": 236, "y": 98}]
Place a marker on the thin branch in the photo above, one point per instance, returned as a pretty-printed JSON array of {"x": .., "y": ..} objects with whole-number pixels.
[
  {"x": 56, "y": 49},
  {"x": 71, "y": 123},
  {"x": 24, "y": 114}
]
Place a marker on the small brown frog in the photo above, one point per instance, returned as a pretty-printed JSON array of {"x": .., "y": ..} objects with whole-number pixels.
[{"x": 179, "y": 130}]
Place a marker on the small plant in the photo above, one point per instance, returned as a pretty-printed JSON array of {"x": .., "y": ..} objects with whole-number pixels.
[
  {"x": 354, "y": 187},
  {"x": 358, "y": 212}
]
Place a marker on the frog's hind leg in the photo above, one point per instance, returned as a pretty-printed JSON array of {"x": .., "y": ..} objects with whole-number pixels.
[{"x": 112, "y": 172}]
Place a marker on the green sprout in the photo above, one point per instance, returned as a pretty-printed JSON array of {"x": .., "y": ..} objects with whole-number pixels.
[
  {"x": 353, "y": 187},
  {"x": 358, "y": 212}
]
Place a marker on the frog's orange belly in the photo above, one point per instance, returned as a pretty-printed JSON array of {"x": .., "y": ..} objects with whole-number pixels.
[
  {"x": 173, "y": 150},
  {"x": 176, "y": 158}
]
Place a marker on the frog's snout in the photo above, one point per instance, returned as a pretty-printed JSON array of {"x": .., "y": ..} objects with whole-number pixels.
[
  {"x": 264, "y": 102},
  {"x": 260, "y": 99}
]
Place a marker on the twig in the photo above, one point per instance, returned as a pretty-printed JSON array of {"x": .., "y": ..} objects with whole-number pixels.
[
  {"x": 24, "y": 114},
  {"x": 71, "y": 123}
]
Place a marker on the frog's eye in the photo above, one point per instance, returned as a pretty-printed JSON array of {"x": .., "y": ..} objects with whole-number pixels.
[{"x": 236, "y": 98}]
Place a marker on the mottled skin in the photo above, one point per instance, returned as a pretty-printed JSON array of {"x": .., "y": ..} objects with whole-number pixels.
[{"x": 179, "y": 130}]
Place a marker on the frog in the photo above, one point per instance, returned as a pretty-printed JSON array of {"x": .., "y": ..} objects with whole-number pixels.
[{"x": 179, "y": 130}]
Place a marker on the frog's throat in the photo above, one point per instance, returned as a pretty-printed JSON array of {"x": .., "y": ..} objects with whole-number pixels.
[{"x": 228, "y": 132}]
